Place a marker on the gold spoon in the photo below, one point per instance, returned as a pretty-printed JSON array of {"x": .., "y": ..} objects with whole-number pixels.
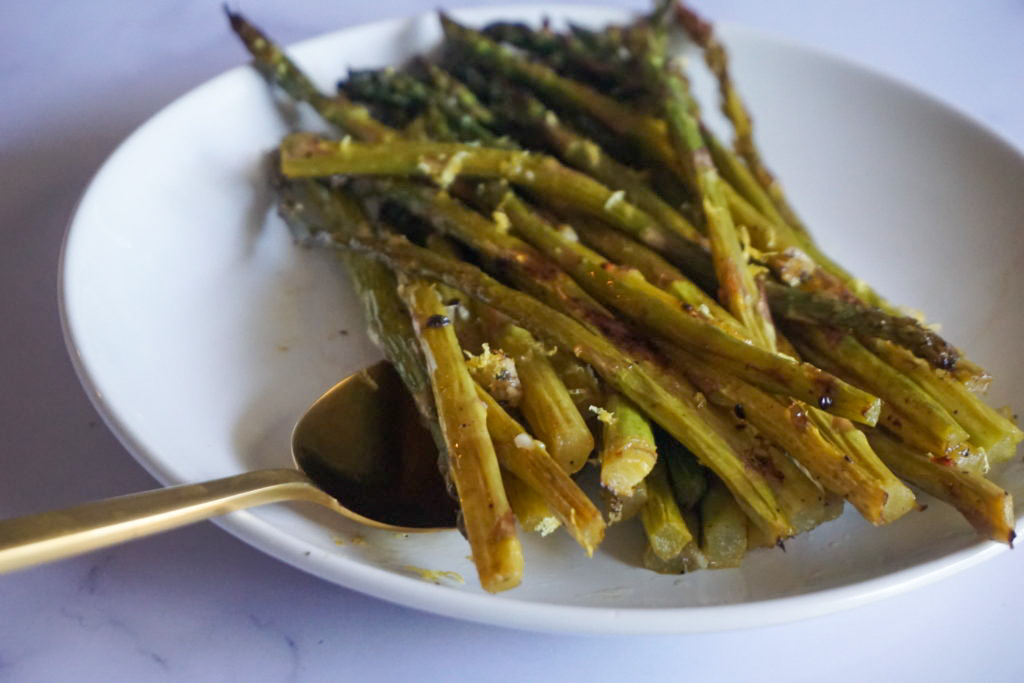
[{"x": 358, "y": 450}]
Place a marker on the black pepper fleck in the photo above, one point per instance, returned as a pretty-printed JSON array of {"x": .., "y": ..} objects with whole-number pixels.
[
  {"x": 438, "y": 321},
  {"x": 825, "y": 402},
  {"x": 740, "y": 412}
]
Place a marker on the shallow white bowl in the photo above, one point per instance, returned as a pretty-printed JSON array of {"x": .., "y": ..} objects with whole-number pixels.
[{"x": 201, "y": 333}]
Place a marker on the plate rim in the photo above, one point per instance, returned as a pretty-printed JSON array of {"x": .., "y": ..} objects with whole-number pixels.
[{"x": 534, "y": 616}]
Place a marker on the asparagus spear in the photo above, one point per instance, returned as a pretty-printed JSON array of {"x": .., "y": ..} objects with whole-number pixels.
[
  {"x": 489, "y": 522},
  {"x": 524, "y": 110},
  {"x": 529, "y": 460},
  {"x": 659, "y": 272},
  {"x": 738, "y": 291},
  {"x": 987, "y": 507},
  {"x": 717, "y": 60},
  {"x": 723, "y": 528},
  {"x": 690, "y": 560},
  {"x": 663, "y": 396},
  {"x": 531, "y": 510},
  {"x": 466, "y": 100},
  {"x": 628, "y": 451},
  {"x": 996, "y": 434},
  {"x": 468, "y": 326},
  {"x": 577, "y": 53},
  {"x": 908, "y": 410},
  {"x": 689, "y": 480},
  {"x": 624, "y": 508},
  {"x": 277, "y": 68},
  {"x": 795, "y": 304},
  {"x": 667, "y": 532},
  {"x": 546, "y": 404}
]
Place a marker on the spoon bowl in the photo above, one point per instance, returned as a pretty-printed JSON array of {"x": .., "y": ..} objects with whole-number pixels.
[
  {"x": 359, "y": 450},
  {"x": 363, "y": 443}
]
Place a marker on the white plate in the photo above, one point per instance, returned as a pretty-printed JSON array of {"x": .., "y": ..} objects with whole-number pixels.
[{"x": 201, "y": 333}]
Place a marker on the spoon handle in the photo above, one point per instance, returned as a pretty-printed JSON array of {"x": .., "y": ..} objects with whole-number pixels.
[{"x": 47, "y": 536}]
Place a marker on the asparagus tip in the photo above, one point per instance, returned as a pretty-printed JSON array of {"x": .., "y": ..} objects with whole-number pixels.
[{"x": 235, "y": 18}]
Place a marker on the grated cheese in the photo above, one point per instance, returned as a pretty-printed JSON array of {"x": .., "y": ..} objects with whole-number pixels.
[
  {"x": 614, "y": 199},
  {"x": 605, "y": 416}
]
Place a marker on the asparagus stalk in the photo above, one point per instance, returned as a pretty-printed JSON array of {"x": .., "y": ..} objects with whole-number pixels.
[
  {"x": 529, "y": 460},
  {"x": 996, "y": 434},
  {"x": 578, "y": 53},
  {"x": 659, "y": 272},
  {"x": 623, "y": 508},
  {"x": 667, "y": 532},
  {"x": 987, "y": 507},
  {"x": 531, "y": 510},
  {"x": 489, "y": 522},
  {"x": 277, "y": 68},
  {"x": 628, "y": 451},
  {"x": 723, "y": 528},
  {"x": 690, "y": 560},
  {"x": 733, "y": 107},
  {"x": 794, "y": 304},
  {"x": 689, "y": 480},
  {"x": 524, "y": 110},
  {"x": 468, "y": 327},
  {"x": 907, "y": 411},
  {"x": 663, "y": 396},
  {"x": 466, "y": 100},
  {"x": 738, "y": 291},
  {"x": 546, "y": 404}
]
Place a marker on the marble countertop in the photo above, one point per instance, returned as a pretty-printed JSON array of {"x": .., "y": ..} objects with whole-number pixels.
[{"x": 198, "y": 605}]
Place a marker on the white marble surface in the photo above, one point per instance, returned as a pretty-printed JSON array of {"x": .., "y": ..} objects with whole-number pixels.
[{"x": 197, "y": 605}]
